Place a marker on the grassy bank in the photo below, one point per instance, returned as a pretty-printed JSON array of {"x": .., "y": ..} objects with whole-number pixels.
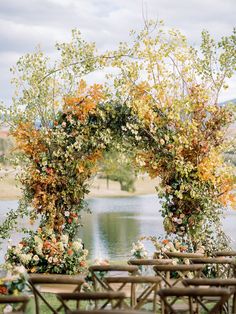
[{"x": 99, "y": 188}]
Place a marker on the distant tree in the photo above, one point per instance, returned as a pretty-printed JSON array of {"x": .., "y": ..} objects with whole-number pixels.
[{"x": 116, "y": 166}]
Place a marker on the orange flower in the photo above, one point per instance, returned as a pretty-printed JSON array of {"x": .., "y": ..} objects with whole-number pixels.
[
  {"x": 3, "y": 290},
  {"x": 70, "y": 252},
  {"x": 183, "y": 248},
  {"x": 165, "y": 241}
]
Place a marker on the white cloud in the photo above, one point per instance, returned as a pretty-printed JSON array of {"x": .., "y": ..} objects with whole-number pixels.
[{"x": 26, "y": 23}]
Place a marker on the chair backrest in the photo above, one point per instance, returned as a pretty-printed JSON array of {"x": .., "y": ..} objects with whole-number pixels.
[
  {"x": 225, "y": 253},
  {"x": 174, "y": 274},
  {"x": 101, "y": 299},
  {"x": 214, "y": 282},
  {"x": 146, "y": 265},
  {"x": 21, "y": 301},
  {"x": 150, "y": 262},
  {"x": 53, "y": 283},
  {"x": 106, "y": 312},
  {"x": 182, "y": 255},
  {"x": 140, "y": 289},
  {"x": 171, "y": 296},
  {"x": 113, "y": 268},
  {"x": 220, "y": 267},
  {"x": 98, "y": 272}
]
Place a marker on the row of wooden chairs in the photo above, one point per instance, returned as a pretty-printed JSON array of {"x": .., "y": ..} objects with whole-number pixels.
[{"x": 163, "y": 285}]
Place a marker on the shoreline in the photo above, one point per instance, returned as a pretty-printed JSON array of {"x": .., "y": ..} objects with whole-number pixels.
[{"x": 143, "y": 186}]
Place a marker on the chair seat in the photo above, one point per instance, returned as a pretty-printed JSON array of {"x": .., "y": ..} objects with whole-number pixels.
[
  {"x": 54, "y": 288},
  {"x": 181, "y": 308}
]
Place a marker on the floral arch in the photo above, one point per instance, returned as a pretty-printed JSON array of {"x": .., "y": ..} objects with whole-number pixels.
[{"x": 159, "y": 106}]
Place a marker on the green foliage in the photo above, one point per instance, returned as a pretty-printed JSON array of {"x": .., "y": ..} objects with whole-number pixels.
[{"x": 117, "y": 166}]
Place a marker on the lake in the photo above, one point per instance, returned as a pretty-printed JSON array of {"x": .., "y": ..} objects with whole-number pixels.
[{"x": 115, "y": 223}]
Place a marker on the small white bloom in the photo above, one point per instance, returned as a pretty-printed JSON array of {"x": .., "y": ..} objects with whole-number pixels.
[
  {"x": 25, "y": 258},
  {"x": 77, "y": 245},
  {"x": 36, "y": 258},
  {"x": 67, "y": 213},
  {"x": 50, "y": 260}
]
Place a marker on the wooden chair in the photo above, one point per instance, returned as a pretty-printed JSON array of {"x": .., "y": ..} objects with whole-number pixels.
[
  {"x": 225, "y": 253},
  {"x": 149, "y": 262},
  {"x": 22, "y": 301},
  {"x": 146, "y": 265},
  {"x": 174, "y": 274},
  {"x": 97, "y": 270},
  {"x": 106, "y": 312},
  {"x": 139, "y": 289},
  {"x": 215, "y": 282},
  {"x": 183, "y": 255},
  {"x": 50, "y": 283},
  {"x": 101, "y": 299},
  {"x": 171, "y": 298},
  {"x": 221, "y": 266}
]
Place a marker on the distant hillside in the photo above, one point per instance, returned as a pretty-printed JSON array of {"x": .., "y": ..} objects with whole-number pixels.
[{"x": 229, "y": 101}]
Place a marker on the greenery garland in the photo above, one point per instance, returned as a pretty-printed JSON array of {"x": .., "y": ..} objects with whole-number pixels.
[{"x": 162, "y": 105}]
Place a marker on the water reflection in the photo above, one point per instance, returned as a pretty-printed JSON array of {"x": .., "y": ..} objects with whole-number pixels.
[
  {"x": 120, "y": 229},
  {"x": 116, "y": 223}
]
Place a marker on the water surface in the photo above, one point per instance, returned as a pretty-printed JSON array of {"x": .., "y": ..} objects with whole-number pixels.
[{"x": 115, "y": 223}]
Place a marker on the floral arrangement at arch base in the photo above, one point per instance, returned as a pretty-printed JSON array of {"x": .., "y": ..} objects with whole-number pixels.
[
  {"x": 47, "y": 252},
  {"x": 175, "y": 244}
]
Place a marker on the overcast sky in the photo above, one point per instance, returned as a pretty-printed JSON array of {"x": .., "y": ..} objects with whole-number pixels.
[{"x": 26, "y": 23}]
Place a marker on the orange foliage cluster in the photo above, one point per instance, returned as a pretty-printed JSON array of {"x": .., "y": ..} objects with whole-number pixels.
[
  {"x": 29, "y": 140},
  {"x": 46, "y": 180},
  {"x": 85, "y": 101}
]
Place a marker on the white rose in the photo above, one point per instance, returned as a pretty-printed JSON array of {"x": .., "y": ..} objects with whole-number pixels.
[
  {"x": 67, "y": 214},
  {"x": 77, "y": 245},
  {"x": 50, "y": 260},
  {"x": 36, "y": 258}
]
